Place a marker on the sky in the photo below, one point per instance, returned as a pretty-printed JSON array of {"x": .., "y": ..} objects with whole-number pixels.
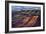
[{"x": 19, "y": 8}]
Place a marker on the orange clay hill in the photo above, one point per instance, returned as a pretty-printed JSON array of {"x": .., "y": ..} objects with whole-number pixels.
[{"x": 28, "y": 21}]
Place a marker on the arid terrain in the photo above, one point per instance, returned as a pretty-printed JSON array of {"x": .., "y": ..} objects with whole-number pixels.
[{"x": 26, "y": 18}]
